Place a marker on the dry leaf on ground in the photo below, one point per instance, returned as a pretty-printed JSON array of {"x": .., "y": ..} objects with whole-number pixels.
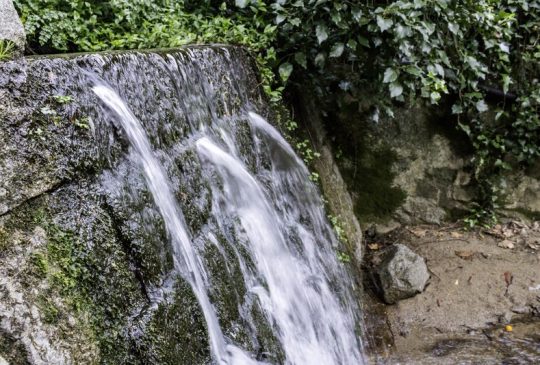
[
  {"x": 465, "y": 255},
  {"x": 418, "y": 232},
  {"x": 456, "y": 235},
  {"x": 506, "y": 244}
]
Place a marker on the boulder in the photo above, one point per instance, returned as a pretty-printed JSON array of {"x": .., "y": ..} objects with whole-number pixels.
[
  {"x": 402, "y": 273},
  {"x": 11, "y": 28}
]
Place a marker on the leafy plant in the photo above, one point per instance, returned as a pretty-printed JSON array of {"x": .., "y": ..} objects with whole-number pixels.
[
  {"x": 7, "y": 49},
  {"x": 62, "y": 99},
  {"x": 482, "y": 56}
]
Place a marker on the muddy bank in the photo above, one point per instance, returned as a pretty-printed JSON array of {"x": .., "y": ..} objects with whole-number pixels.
[{"x": 481, "y": 282}]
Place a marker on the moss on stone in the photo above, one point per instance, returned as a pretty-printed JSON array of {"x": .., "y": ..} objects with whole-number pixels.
[
  {"x": 12, "y": 350},
  {"x": 176, "y": 334},
  {"x": 194, "y": 192},
  {"x": 372, "y": 183},
  {"x": 227, "y": 290},
  {"x": 87, "y": 280}
]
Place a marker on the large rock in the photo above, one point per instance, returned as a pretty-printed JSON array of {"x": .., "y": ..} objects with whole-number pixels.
[
  {"x": 85, "y": 263},
  {"x": 11, "y": 28},
  {"x": 402, "y": 274}
]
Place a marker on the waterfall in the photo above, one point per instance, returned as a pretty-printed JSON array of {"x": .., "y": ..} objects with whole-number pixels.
[
  {"x": 185, "y": 260},
  {"x": 269, "y": 214}
]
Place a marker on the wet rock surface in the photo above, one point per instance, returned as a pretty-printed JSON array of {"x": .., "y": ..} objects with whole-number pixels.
[
  {"x": 81, "y": 279},
  {"x": 401, "y": 274}
]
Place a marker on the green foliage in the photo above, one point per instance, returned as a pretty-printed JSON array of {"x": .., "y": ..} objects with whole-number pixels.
[
  {"x": 7, "y": 49},
  {"x": 343, "y": 257},
  {"x": 53, "y": 112},
  {"x": 62, "y": 99},
  {"x": 451, "y": 51},
  {"x": 337, "y": 224}
]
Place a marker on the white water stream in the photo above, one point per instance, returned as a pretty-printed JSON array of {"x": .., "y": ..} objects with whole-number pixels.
[{"x": 293, "y": 279}]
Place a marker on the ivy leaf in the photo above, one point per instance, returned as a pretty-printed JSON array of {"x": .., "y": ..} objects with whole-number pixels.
[
  {"x": 390, "y": 75},
  {"x": 300, "y": 58},
  {"x": 322, "y": 33},
  {"x": 285, "y": 70},
  {"x": 465, "y": 128},
  {"x": 506, "y": 83},
  {"x": 241, "y": 3},
  {"x": 295, "y": 21},
  {"x": 453, "y": 27},
  {"x": 357, "y": 14},
  {"x": 320, "y": 59},
  {"x": 280, "y": 18},
  {"x": 435, "y": 96},
  {"x": 457, "y": 109},
  {"x": 481, "y": 106},
  {"x": 504, "y": 47},
  {"x": 413, "y": 70},
  {"x": 395, "y": 90},
  {"x": 402, "y": 31},
  {"x": 337, "y": 50},
  {"x": 363, "y": 41},
  {"x": 384, "y": 24}
]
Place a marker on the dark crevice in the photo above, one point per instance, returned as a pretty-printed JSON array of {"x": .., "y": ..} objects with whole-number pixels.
[
  {"x": 124, "y": 242},
  {"x": 32, "y": 198}
]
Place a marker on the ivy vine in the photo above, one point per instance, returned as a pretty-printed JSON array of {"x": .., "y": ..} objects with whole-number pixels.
[{"x": 483, "y": 56}]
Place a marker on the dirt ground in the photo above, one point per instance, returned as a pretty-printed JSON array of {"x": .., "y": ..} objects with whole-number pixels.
[{"x": 482, "y": 282}]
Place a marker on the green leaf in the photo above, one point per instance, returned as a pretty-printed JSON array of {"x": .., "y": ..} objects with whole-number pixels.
[
  {"x": 457, "y": 109},
  {"x": 300, "y": 58},
  {"x": 481, "y": 106},
  {"x": 352, "y": 44},
  {"x": 435, "y": 96},
  {"x": 363, "y": 41},
  {"x": 390, "y": 75},
  {"x": 453, "y": 27},
  {"x": 395, "y": 89},
  {"x": 357, "y": 14},
  {"x": 337, "y": 50},
  {"x": 384, "y": 24},
  {"x": 241, "y": 3},
  {"x": 504, "y": 47},
  {"x": 321, "y": 31},
  {"x": 413, "y": 70},
  {"x": 320, "y": 59},
  {"x": 285, "y": 70},
  {"x": 506, "y": 83},
  {"x": 295, "y": 21}
]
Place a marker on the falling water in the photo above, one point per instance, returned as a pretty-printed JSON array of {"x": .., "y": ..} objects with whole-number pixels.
[
  {"x": 284, "y": 245},
  {"x": 185, "y": 260}
]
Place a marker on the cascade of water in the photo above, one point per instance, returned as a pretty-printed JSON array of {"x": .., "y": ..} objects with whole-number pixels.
[
  {"x": 283, "y": 244},
  {"x": 291, "y": 279},
  {"x": 185, "y": 259}
]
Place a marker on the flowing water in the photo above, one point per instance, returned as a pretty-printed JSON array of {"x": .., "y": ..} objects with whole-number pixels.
[{"x": 265, "y": 210}]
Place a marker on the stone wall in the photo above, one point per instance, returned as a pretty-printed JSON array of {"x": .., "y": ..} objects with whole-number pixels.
[{"x": 415, "y": 167}]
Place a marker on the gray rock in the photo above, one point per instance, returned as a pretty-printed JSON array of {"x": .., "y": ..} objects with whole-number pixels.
[
  {"x": 402, "y": 274},
  {"x": 11, "y": 27}
]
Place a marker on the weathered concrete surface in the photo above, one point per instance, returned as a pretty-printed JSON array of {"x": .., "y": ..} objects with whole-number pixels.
[{"x": 11, "y": 28}]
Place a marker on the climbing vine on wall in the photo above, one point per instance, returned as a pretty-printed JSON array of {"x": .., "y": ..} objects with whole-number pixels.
[{"x": 482, "y": 56}]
